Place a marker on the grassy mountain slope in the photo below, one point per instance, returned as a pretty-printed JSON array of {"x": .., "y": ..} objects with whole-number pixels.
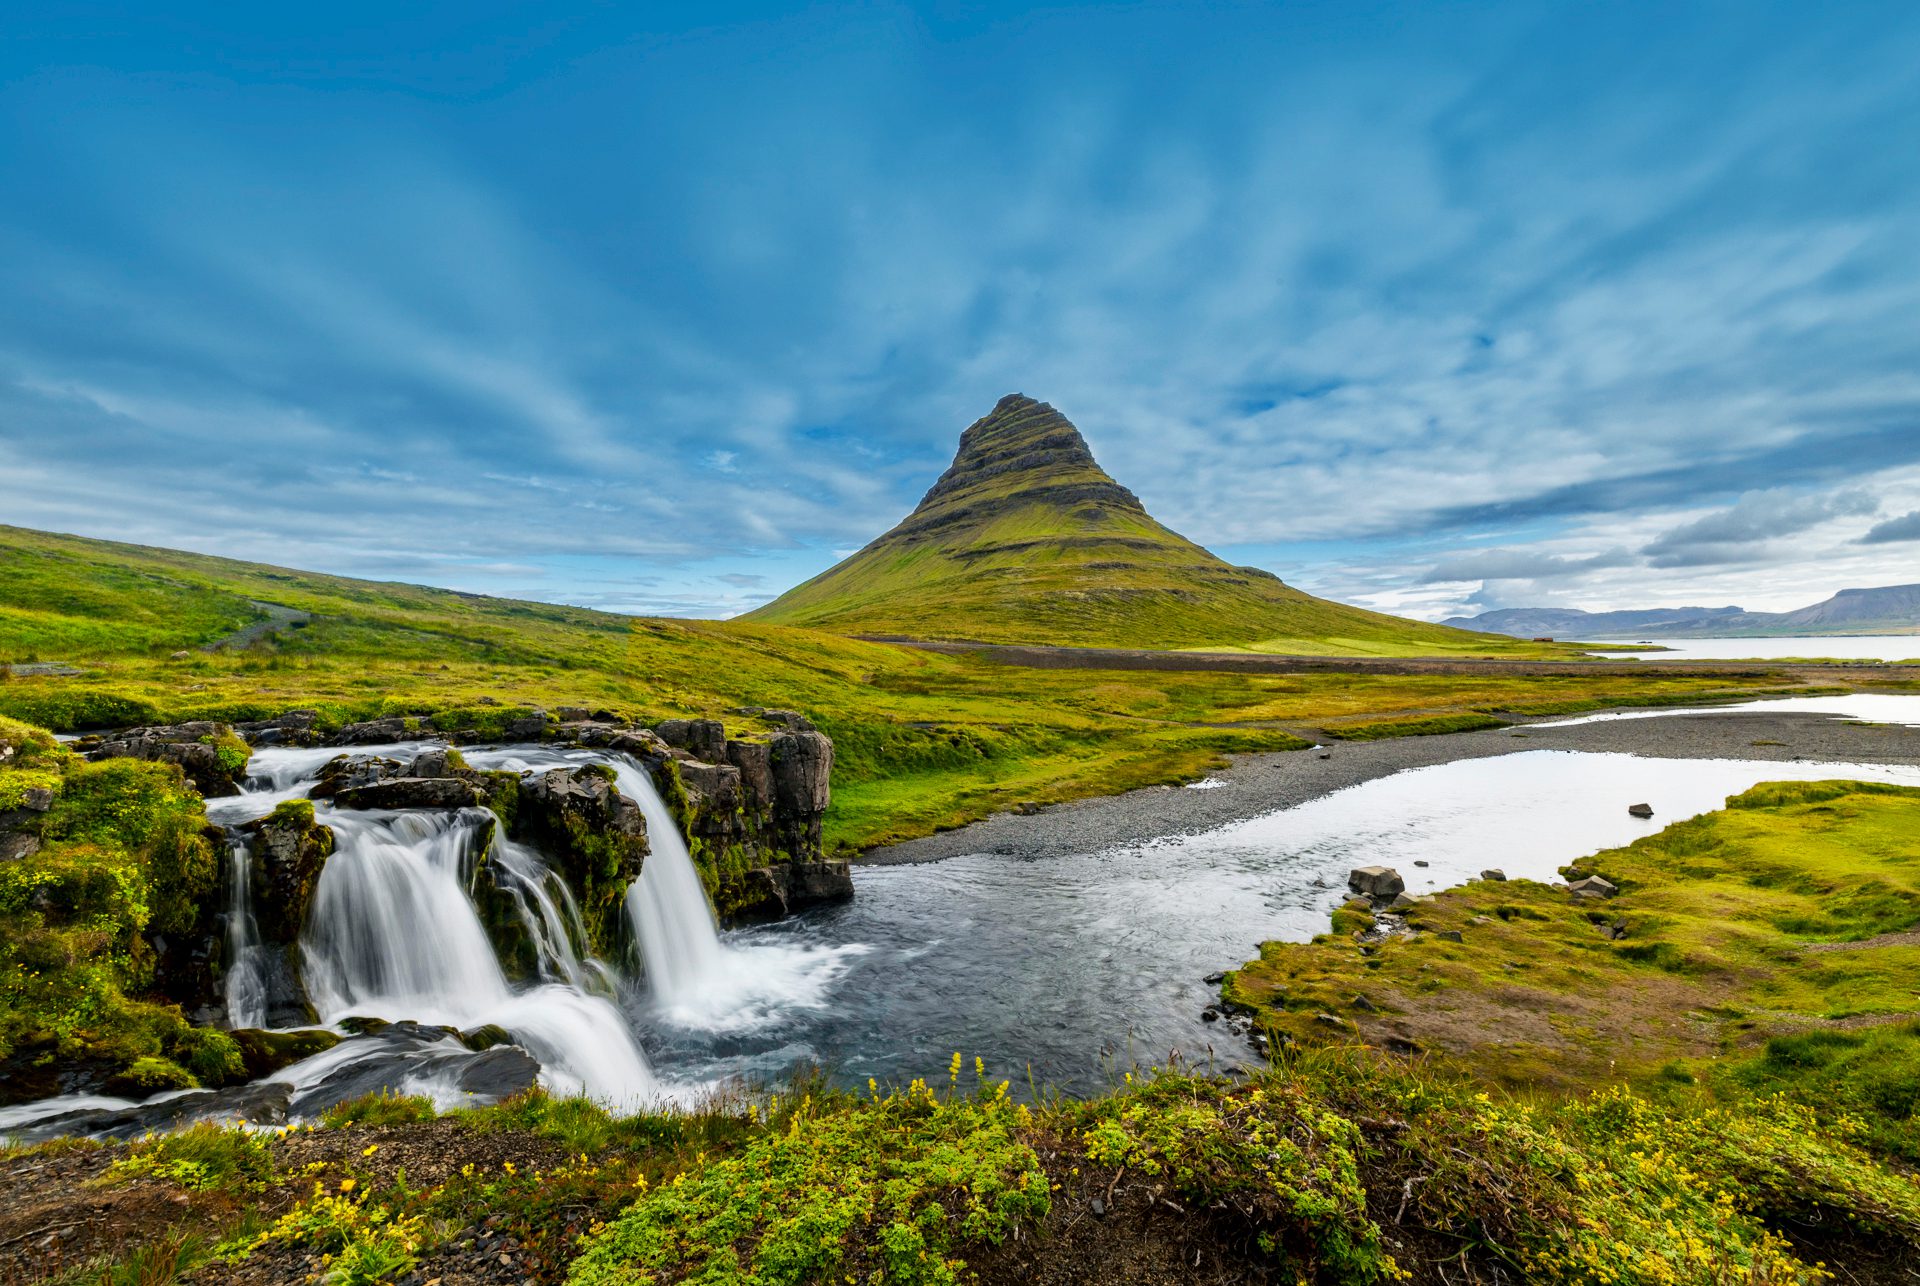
[
  {"x": 1025, "y": 539},
  {"x": 923, "y": 741}
]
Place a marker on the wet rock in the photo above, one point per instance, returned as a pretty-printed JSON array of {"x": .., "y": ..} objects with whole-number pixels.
[
  {"x": 288, "y": 848},
  {"x": 594, "y": 837},
  {"x": 404, "y": 1054},
  {"x": 294, "y": 728},
  {"x": 1209, "y": 1015},
  {"x": 1493, "y": 873},
  {"x": 261, "y": 1103},
  {"x": 266, "y": 1052},
  {"x": 344, "y": 771},
  {"x": 1419, "y": 863},
  {"x": 1593, "y": 886},
  {"x": 441, "y": 761},
  {"x": 211, "y": 755},
  {"x": 704, "y": 739},
  {"x": 373, "y": 732},
  {"x": 1215, "y": 979},
  {"x": 484, "y": 1038},
  {"x": 1640, "y": 810},
  {"x": 774, "y": 892},
  {"x": 1375, "y": 881},
  {"x": 411, "y": 792}
]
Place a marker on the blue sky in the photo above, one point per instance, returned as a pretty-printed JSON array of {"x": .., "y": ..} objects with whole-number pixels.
[{"x": 663, "y": 308}]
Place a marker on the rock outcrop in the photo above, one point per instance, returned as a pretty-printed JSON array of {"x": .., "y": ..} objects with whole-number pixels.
[{"x": 211, "y": 755}]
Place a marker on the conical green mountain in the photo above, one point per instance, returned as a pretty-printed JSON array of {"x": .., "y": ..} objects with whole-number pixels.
[{"x": 1025, "y": 539}]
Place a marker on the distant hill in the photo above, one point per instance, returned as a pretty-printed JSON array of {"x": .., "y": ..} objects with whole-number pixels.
[
  {"x": 1026, "y": 539},
  {"x": 1888, "y": 609}
]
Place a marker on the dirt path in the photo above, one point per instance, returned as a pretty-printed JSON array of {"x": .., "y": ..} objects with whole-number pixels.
[{"x": 1106, "y": 658}]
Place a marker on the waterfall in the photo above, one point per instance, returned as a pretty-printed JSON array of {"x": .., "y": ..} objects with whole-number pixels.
[
  {"x": 551, "y": 917},
  {"x": 679, "y": 942},
  {"x": 392, "y": 934},
  {"x": 246, "y": 986}
]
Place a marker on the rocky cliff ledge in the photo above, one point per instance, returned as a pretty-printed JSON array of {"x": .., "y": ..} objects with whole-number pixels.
[{"x": 750, "y": 805}]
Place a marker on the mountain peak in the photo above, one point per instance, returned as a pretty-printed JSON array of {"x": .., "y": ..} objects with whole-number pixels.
[{"x": 1023, "y": 451}]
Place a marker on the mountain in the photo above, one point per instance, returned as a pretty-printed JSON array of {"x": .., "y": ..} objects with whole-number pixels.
[
  {"x": 1571, "y": 622},
  {"x": 1026, "y": 539},
  {"x": 1887, "y": 609}
]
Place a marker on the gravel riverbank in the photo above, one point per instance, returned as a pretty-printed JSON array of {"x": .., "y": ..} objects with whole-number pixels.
[{"x": 1257, "y": 784}]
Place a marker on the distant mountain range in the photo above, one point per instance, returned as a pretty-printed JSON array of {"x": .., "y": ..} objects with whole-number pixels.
[{"x": 1889, "y": 609}]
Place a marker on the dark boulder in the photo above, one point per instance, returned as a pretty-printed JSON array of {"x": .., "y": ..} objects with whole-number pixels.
[
  {"x": 1377, "y": 882},
  {"x": 294, "y": 728},
  {"x": 266, "y": 1052},
  {"x": 288, "y": 848},
  {"x": 531, "y": 725},
  {"x": 374, "y": 732},
  {"x": 594, "y": 837},
  {"x": 345, "y": 771},
  {"x": 412, "y": 792},
  {"x": 1640, "y": 810},
  {"x": 802, "y": 766},
  {"x": 774, "y": 892}
]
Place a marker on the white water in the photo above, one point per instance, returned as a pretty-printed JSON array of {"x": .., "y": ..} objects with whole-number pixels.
[
  {"x": 246, "y": 987},
  {"x": 694, "y": 980},
  {"x": 392, "y": 934}
]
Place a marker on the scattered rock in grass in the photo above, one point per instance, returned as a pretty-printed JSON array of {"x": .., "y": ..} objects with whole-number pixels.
[
  {"x": 1593, "y": 886},
  {"x": 1376, "y": 881},
  {"x": 1493, "y": 873},
  {"x": 1451, "y": 935}
]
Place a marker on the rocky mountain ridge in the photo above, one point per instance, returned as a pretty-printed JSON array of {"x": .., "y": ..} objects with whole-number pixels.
[{"x": 1885, "y": 609}]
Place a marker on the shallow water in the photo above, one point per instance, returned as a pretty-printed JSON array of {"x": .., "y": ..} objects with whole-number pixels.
[{"x": 1852, "y": 647}]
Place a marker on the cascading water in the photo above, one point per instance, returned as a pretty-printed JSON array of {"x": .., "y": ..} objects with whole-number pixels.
[
  {"x": 392, "y": 934},
  {"x": 551, "y": 917},
  {"x": 246, "y": 982},
  {"x": 672, "y": 921},
  {"x": 694, "y": 980}
]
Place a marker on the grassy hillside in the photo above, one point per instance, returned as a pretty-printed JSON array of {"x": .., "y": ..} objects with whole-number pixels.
[
  {"x": 1025, "y": 539},
  {"x": 922, "y": 741},
  {"x": 1770, "y": 946}
]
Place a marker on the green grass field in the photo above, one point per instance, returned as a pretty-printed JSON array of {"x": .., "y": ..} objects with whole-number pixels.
[{"x": 922, "y": 741}]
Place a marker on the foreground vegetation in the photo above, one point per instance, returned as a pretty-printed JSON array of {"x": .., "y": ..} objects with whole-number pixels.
[
  {"x": 121, "y": 863},
  {"x": 1331, "y": 1167},
  {"x": 922, "y": 741}
]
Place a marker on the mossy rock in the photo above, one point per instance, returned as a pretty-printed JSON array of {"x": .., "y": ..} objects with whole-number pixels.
[{"x": 266, "y": 1052}]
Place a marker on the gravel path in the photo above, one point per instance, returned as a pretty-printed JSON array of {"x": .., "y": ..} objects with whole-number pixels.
[{"x": 1257, "y": 784}]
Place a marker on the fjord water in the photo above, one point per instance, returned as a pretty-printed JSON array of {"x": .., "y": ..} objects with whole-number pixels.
[{"x": 1851, "y": 647}]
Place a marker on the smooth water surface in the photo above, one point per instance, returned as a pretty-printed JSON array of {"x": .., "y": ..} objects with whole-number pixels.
[
  {"x": 1868, "y": 707},
  {"x": 1850, "y": 647}
]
